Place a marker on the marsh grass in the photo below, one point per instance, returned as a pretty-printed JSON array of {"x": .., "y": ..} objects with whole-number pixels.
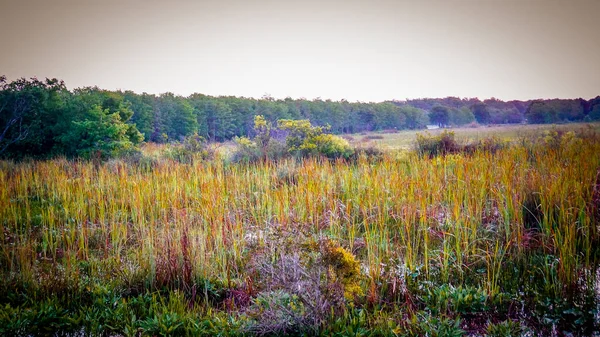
[{"x": 513, "y": 227}]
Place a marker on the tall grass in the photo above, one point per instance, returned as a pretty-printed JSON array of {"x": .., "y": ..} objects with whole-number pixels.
[{"x": 458, "y": 219}]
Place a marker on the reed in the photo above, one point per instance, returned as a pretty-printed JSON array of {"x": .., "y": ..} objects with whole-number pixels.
[{"x": 460, "y": 218}]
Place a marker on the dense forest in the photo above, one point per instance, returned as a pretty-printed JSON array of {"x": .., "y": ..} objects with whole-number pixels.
[{"x": 42, "y": 118}]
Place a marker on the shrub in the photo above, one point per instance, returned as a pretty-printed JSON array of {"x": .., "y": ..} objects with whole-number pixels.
[
  {"x": 370, "y": 153},
  {"x": 374, "y": 137},
  {"x": 445, "y": 143},
  {"x": 248, "y": 151},
  {"x": 262, "y": 147},
  {"x": 302, "y": 139},
  {"x": 345, "y": 268},
  {"x": 193, "y": 148},
  {"x": 432, "y": 146},
  {"x": 307, "y": 140},
  {"x": 490, "y": 145}
]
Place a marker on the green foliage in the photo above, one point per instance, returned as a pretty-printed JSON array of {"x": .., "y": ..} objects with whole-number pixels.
[
  {"x": 461, "y": 116},
  {"x": 177, "y": 118},
  {"x": 447, "y": 299},
  {"x": 389, "y": 116},
  {"x": 165, "y": 324},
  {"x": 424, "y": 324},
  {"x": 440, "y": 115},
  {"x": 14, "y": 321},
  {"x": 100, "y": 133},
  {"x": 540, "y": 112},
  {"x": 505, "y": 329},
  {"x": 415, "y": 118},
  {"x": 594, "y": 114},
  {"x": 305, "y": 139},
  {"x": 49, "y": 120},
  {"x": 30, "y": 112},
  {"x": 44, "y": 119},
  {"x": 481, "y": 113}
]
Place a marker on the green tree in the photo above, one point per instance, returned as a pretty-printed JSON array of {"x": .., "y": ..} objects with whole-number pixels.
[
  {"x": 415, "y": 118},
  {"x": 461, "y": 116},
  {"x": 539, "y": 112},
  {"x": 440, "y": 115},
  {"x": 143, "y": 111},
  {"x": 388, "y": 116},
  {"x": 101, "y": 133},
  {"x": 29, "y": 112},
  {"x": 595, "y": 112},
  {"x": 481, "y": 113},
  {"x": 176, "y": 115}
]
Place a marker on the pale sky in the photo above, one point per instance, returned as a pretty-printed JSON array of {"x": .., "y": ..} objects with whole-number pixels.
[{"x": 357, "y": 50}]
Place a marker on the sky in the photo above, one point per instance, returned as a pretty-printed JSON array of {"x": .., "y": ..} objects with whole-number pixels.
[{"x": 344, "y": 49}]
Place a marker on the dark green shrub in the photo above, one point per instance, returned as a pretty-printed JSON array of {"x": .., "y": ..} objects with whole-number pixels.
[{"x": 443, "y": 144}]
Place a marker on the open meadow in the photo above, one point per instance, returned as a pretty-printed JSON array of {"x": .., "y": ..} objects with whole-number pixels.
[{"x": 419, "y": 238}]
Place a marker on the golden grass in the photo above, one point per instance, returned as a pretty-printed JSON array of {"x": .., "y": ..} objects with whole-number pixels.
[{"x": 453, "y": 213}]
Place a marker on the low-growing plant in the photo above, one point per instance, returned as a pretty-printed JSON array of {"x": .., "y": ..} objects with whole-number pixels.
[
  {"x": 425, "y": 324},
  {"x": 447, "y": 299},
  {"x": 507, "y": 328},
  {"x": 278, "y": 313}
]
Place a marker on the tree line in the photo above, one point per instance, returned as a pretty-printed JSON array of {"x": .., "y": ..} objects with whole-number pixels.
[{"x": 42, "y": 118}]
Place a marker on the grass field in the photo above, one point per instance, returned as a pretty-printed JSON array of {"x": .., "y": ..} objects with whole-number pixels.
[
  {"x": 496, "y": 243},
  {"x": 405, "y": 139}
]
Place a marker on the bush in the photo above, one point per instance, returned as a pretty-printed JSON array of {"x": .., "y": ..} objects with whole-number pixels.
[
  {"x": 248, "y": 151},
  {"x": 262, "y": 147},
  {"x": 445, "y": 143},
  {"x": 307, "y": 140},
  {"x": 193, "y": 148},
  {"x": 302, "y": 139},
  {"x": 490, "y": 145},
  {"x": 370, "y": 153},
  {"x": 432, "y": 146}
]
